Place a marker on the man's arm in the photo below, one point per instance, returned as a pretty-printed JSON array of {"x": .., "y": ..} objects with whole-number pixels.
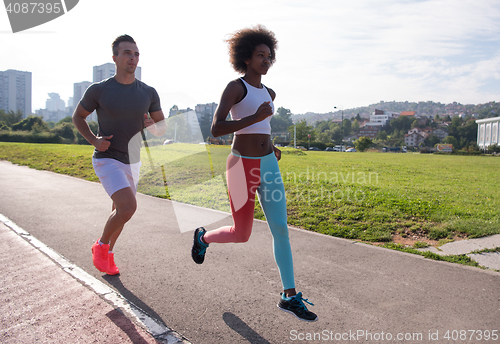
[
  {"x": 79, "y": 116},
  {"x": 156, "y": 124}
]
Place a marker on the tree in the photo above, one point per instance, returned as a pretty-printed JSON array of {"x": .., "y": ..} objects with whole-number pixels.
[
  {"x": 451, "y": 140},
  {"x": 322, "y": 126},
  {"x": 303, "y": 130},
  {"x": 403, "y": 123},
  {"x": 178, "y": 129},
  {"x": 355, "y": 125},
  {"x": 281, "y": 120},
  {"x": 324, "y": 137},
  {"x": 456, "y": 122},
  {"x": 382, "y": 135},
  {"x": 346, "y": 125},
  {"x": 67, "y": 119},
  {"x": 10, "y": 118},
  {"x": 363, "y": 143},
  {"x": 431, "y": 141},
  {"x": 336, "y": 133}
]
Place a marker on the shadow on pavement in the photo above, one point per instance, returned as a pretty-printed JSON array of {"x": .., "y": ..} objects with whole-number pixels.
[
  {"x": 129, "y": 296},
  {"x": 126, "y": 326},
  {"x": 239, "y": 326}
]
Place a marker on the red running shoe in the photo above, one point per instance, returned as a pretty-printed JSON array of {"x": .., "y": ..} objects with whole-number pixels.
[
  {"x": 100, "y": 256},
  {"x": 112, "y": 268}
]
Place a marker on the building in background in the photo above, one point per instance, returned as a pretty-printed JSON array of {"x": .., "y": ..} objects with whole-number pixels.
[
  {"x": 79, "y": 89},
  {"x": 366, "y": 131},
  {"x": 55, "y": 103},
  {"x": 380, "y": 118},
  {"x": 205, "y": 114},
  {"x": 205, "y": 110},
  {"x": 55, "y": 109},
  {"x": 488, "y": 132},
  {"x": 15, "y": 91},
  {"x": 414, "y": 138}
]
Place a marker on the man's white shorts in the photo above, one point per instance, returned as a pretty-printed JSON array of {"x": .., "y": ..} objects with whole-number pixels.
[{"x": 115, "y": 175}]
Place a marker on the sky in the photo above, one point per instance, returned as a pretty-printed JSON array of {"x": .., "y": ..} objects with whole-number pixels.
[{"x": 331, "y": 53}]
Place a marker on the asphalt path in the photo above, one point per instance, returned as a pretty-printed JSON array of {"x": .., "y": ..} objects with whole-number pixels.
[{"x": 361, "y": 293}]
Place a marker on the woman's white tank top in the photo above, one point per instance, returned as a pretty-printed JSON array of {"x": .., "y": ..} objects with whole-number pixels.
[{"x": 248, "y": 106}]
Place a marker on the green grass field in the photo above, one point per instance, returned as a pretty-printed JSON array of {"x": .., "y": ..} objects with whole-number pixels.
[{"x": 372, "y": 197}]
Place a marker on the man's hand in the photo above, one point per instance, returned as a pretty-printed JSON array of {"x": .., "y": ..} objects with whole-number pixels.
[
  {"x": 102, "y": 143},
  {"x": 148, "y": 121},
  {"x": 156, "y": 128}
]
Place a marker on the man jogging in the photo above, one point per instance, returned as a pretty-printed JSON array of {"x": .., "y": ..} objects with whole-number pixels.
[{"x": 122, "y": 104}]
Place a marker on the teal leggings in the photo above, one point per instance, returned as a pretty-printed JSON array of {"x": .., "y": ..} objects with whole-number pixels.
[{"x": 247, "y": 176}]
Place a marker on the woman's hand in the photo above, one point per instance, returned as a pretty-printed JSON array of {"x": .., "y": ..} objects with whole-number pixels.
[
  {"x": 277, "y": 152},
  {"x": 265, "y": 110}
]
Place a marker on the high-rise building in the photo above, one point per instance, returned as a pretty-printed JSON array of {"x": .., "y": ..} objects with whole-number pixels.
[
  {"x": 108, "y": 70},
  {"x": 55, "y": 103},
  {"x": 15, "y": 91},
  {"x": 79, "y": 89}
]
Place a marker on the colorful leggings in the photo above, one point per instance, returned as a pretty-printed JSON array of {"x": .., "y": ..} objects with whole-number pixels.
[{"x": 245, "y": 176}]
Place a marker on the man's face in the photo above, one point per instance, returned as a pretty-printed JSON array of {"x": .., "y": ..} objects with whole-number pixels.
[{"x": 127, "y": 58}]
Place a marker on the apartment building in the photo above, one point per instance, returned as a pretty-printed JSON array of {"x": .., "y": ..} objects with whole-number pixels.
[{"x": 15, "y": 91}]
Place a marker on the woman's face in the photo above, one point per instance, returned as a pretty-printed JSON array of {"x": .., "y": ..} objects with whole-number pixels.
[{"x": 260, "y": 61}]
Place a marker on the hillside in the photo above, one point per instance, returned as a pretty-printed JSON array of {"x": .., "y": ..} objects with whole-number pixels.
[{"x": 429, "y": 108}]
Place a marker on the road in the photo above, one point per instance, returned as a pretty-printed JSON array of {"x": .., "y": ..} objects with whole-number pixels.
[{"x": 360, "y": 291}]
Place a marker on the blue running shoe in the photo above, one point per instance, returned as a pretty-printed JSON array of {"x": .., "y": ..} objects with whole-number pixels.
[
  {"x": 295, "y": 305},
  {"x": 199, "y": 247}
]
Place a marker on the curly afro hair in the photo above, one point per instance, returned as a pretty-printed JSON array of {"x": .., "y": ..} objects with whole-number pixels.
[{"x": 242, "y": 44}]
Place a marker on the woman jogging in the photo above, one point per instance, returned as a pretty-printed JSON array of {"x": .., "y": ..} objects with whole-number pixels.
[{"x": 252, "y": 166}]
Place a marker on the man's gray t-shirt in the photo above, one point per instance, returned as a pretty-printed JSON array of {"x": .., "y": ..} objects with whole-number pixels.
[{"x": 120, "y": 112}]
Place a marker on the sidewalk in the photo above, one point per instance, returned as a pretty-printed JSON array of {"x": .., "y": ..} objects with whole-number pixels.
[
  {"x": 41, "y": 303},
  {"x": 490, "y": 260}
]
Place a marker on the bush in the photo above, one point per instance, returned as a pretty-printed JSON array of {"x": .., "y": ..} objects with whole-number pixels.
[
  {"x": 363, "y": 143},
  {"x": 65, "y": 130},
  {"x": 494, "y": 148},
  {"x": 466, "y": 152},
  {"x": 29, "y": 123},
  {"x": 24, "y": 136}
]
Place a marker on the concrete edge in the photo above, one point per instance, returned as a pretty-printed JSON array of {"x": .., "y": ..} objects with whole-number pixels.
[
  {"x": 160, "y": 332},
  {"x": 375, "y": 247}
]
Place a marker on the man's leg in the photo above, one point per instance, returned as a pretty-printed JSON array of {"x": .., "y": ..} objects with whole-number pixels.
[
  {"x": 115, "y": 235},
  {"x": 124, "y": 204}
]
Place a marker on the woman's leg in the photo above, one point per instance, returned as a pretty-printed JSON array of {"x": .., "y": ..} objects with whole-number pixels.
[
  {"x": 273, "y": 201},
  {"x": 243, "y": 178}
]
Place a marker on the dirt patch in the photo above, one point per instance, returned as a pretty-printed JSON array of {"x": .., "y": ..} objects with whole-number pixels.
[{"x": 409, "y": 241}]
